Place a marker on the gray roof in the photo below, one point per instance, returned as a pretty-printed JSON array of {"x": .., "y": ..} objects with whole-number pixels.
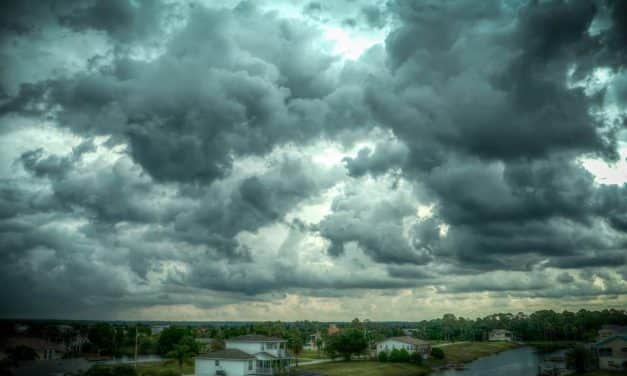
[
  {"x": 226, "y": 354},
  {"x": 408, "y": 340},
  {"x": 255, "y": 338}
]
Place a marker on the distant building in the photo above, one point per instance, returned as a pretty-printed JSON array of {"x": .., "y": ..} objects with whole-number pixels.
[
  {"x": 245, "y": 355},
  {"x": 607, "y": 331},
  {"x": 157, "y": 329},
  {"x": 500, "y": 335},
  {"x": 332, "y": 329},
  {"x": 612, "y": 353},
  {"x": 44, "y": 348},
  {"x": 411, "y": 344},
  {"x": 312, "y": 342},
  {"x": 409, "y": 332}
]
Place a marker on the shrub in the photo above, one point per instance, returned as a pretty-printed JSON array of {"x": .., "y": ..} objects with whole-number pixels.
[
  {"x": 437, "y": 353},
  {"x": 383, "y": 356},
  {"x": 415, "y": 358},
  {"x": 403, "y": 356},
  {"x": 394, "y": 356}
]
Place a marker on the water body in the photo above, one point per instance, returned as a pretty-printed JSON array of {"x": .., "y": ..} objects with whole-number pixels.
[{"x": 523, "y": 361}]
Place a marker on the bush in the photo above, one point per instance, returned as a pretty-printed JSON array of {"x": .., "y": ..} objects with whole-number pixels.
[
  {"x": 437, "y": 353},
  {"x": 394, "y": 356},
  {"x": 383, "y": 356},
  {"x": 122, "y": 370},
  {"x": 415, "y": 358}
]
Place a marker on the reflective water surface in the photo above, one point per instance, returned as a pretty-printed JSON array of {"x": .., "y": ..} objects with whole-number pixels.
[{"x": 523, "y": 361}]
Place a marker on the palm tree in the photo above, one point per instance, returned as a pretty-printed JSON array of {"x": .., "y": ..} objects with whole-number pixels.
[{"x": 181, "y": 354}]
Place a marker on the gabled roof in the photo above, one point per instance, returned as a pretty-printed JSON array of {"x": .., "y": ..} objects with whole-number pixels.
[
  {"x": 226, "y": 354},
  {"x": 255, "y": 338},
  {"x": 611, "y": 338},
  {"x": 407, "y": 339}
]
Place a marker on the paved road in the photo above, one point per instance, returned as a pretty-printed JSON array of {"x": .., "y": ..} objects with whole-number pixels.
[
  {"x": 316, "y": 361},
  {"x": 450, "y": 343}
]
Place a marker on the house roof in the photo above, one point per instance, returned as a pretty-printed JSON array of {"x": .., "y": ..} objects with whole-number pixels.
[
  {"x": 226, "y": 354},
  {"x": 255, "y": 338},
  {"x": 35, "y": 343},
  {"x": 496, "y": 331},
  {"x": 610, "y": 339},
  {"x": 408, "y": 340}
]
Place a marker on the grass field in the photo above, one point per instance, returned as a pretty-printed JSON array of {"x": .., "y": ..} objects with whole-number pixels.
[
  {"x": 366, "y": 368},
  {"x": 307, "y": 355},
  {"x": 466, "y": 352}
]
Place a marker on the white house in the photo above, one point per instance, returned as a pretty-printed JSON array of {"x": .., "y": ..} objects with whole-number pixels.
[
  {"x": 612, "y": 353},
  {"x": 245, "y": 356},
  {"x": 500, "y": 335},
  {"x": 312, "y": 342},
  {"x": 410, "y": 344}
]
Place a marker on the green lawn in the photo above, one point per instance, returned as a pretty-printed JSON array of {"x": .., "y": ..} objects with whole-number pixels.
[
  {"x": 366, "y": 368},
  {"x": 466, "y": 352},
  {"x": 307, "y": 355}
]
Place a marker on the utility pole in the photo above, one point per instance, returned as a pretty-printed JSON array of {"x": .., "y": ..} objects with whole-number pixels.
[{"x": 136, "y": 335}]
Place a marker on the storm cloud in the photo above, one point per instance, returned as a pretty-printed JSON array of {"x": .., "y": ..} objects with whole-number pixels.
[{"x": 160, "y": 159}]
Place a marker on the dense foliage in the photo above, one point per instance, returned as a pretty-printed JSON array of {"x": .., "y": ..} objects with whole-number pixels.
[{"x": 348, "y": 342}]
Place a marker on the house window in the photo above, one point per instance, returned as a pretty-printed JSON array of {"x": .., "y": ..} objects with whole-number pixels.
[
  {"x": 217, "y": 362},
  {"x": 606, "y": 351},
  {"x": 250, "y": 365}
]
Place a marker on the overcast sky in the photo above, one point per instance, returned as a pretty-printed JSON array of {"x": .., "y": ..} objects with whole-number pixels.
[{"x": 326, "y": 160}]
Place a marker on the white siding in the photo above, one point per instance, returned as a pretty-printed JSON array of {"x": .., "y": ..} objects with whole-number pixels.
[
  {"x": 389, "y": 345},
  {"x": 257, "y": 347},
  {"x": 207, "y": 367}
]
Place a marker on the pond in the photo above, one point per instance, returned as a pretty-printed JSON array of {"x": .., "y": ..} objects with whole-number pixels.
[{"x": 523, "y": 361}]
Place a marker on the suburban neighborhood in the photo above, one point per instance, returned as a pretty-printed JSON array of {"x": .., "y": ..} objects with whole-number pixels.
[{"x": 597, "y": 344}]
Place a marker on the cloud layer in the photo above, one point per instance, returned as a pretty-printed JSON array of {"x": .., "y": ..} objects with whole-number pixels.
[{"x": 311, "y": 160}]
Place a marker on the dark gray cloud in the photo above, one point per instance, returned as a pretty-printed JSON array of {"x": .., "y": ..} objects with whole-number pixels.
[{"x": 164, "y": 153}]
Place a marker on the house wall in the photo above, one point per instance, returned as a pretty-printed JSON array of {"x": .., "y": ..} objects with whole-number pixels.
[
  {"x": 207, "y": 367},
  {"x": 500, "y": 337},
  {"x": 618, "y": 355},
  {"x": 390, "y": 345},
  {"x": 256, "y": 347}
]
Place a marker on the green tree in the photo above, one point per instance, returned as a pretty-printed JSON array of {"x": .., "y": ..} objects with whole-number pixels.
[
  {"x": 437, "y": 353},
  {"x": 415, "y": 358},
  {"x": 383, "y": 356},
  {"x": 348, "y": 342},
  {"x": 295, "y": 343},
  {"x": 181, "y": 354},
  {"x": 579, "y": 358},
  {"x": 20, "y": 354},
  {"x": 170, "y": 337},
  {"x": 103, "y": 336}
]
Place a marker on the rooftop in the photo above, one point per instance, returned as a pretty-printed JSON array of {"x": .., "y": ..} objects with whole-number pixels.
[
  {"x": 226, "y": 354},
  {"x": 255, "y": 338},
  {"x": 409, "y": 340}
]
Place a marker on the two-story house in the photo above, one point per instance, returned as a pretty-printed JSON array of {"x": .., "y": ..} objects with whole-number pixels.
[
  {"x": 612, "y": 353},
  {"x": 245, "y": 356},
  {"x": 411, "y": 344}
]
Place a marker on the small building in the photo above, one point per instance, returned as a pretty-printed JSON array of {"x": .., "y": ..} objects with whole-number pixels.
[
  {"x": 500, "y": 335},
  {"x": 44, "y": 348},
  {"x": 612, "y": 353},
  {"x": 157, "y": 329},
  {"x": 313, "y": 341},
  {"x": 607, "y": 331},
  {"x": 332, "y": 329},
  {"x": 244, "y": 356},
  {"x": 411, "y": 344}
]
